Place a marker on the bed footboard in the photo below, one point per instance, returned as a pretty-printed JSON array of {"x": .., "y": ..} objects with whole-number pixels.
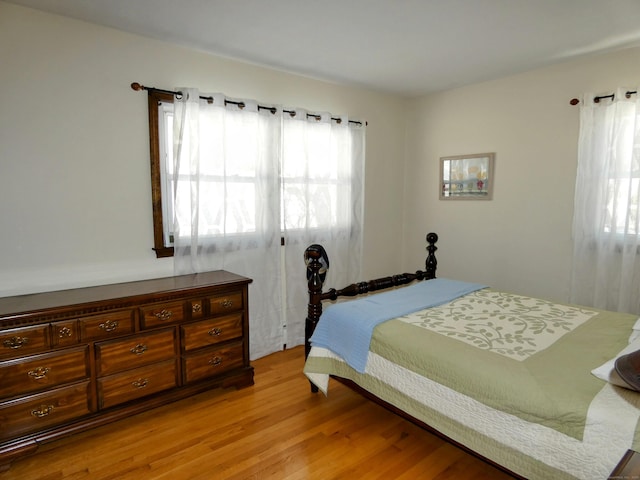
[{"x": 317, "y": 263}]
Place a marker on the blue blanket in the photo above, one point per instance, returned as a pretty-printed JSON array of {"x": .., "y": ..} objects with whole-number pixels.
[{"x": 346, "y": 328}]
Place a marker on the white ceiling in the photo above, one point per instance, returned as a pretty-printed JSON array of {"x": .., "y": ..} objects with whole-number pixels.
[{"x": 404, "y": 47}]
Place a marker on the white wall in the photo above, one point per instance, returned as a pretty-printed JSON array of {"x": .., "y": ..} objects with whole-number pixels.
[
  {"x": 521, "y": 240},
  {"x": 74, "y": 159}
]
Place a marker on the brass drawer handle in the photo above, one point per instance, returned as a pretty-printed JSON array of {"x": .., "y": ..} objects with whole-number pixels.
[
  {"x": 215, "y": 332},
  {"x": 163, "y": 315},
  {"x": 226, "y": 303},
  {"x": 15, "y": 342},
  {"x": 139, "y": 349},
  {"x": 64, "y": 332},
  {"x": 43, "y": 411},
  {"x": 140, "y": 383},
  {"x": 215, "y": 361},
  {"x": 38, "y": 373},
  {"x": 109, "y": 325}
]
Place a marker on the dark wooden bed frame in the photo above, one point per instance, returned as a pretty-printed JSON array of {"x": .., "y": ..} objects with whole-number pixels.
[{"x": 317, "y": 263}]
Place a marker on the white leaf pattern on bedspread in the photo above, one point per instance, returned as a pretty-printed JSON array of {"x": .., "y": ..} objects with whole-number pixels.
[{"x": 508, "y": 324}]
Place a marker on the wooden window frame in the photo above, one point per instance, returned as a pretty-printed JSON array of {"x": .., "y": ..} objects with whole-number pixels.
[{"x": 154, "y": 99}]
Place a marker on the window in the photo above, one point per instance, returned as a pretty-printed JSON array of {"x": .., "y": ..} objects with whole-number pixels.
[
  {"x": 320, "y": 176},
  {"x": 622, "y": 199},
  {"x": 623, "y": 202},
  {"x": 236, "y": 181}
]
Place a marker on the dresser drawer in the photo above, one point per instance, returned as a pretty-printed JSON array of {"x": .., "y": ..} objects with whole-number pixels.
[
  {"x": 64, "y": 334},
  {"x": 17, "y": 342},
  {"x": 162, "y": 314},
  {"x": 38, "y": 372},
  {"x": 212, "y": 331},
  {"x": 132, "y": 384},
  {"x": 44, "y": 410},
  {"x": 211, "y": 362},
  {"x": 106, "y": 325},
  {"x": 134, "y": 351},
  {"x": 222, "y": 304}
]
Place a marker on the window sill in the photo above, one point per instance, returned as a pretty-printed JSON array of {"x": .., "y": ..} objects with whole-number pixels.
[{"x": 163, "y": 252}]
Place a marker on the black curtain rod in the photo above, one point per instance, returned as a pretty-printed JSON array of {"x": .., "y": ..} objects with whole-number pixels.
[
  {"x": 137, "y": 87},
  {"x": 575, "y": 101}
]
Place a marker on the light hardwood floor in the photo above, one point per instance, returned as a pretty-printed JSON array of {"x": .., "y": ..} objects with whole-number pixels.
[{"x": 276, "y": 429}]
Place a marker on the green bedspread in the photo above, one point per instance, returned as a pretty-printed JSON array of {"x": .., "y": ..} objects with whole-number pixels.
[{"x": 547, "y": 380}]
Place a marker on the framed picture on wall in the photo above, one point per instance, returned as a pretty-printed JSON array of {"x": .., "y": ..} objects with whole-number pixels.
[{"x": 467, "y": 177}]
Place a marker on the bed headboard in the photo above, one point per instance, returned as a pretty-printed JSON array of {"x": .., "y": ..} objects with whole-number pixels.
[{"x": 317, "y": 263}]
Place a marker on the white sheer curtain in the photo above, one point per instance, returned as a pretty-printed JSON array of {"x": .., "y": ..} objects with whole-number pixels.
[
  {"x": 227, "y": 201},
  {"x": 606, "y": 228},
  {"x": 323, "y": 201},
  {"x": 246, "y": 176}
]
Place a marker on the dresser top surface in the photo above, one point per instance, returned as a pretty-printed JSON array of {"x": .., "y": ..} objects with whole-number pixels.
[{"x": 77, "y": 296}]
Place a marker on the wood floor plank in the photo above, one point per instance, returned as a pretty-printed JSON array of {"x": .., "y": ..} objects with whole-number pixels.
[{"x": 275, "y": 429}]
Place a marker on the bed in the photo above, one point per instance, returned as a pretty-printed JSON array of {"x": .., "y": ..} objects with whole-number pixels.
[{"x": 526, "y": 384}]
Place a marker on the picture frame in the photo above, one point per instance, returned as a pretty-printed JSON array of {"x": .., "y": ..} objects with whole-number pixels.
[{"x": 467, "y": 177}]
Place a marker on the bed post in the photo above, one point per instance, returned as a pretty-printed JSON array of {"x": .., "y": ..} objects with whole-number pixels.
[
  {"x": 317, "y": 263},
  {"x": 431, "y": 264},
  {"x": 315, "y": 281},
  {"x": 316, "y": 273}
]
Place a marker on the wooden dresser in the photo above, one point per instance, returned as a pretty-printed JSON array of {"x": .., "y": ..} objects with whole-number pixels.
[{"x": 76, "y": 359}]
